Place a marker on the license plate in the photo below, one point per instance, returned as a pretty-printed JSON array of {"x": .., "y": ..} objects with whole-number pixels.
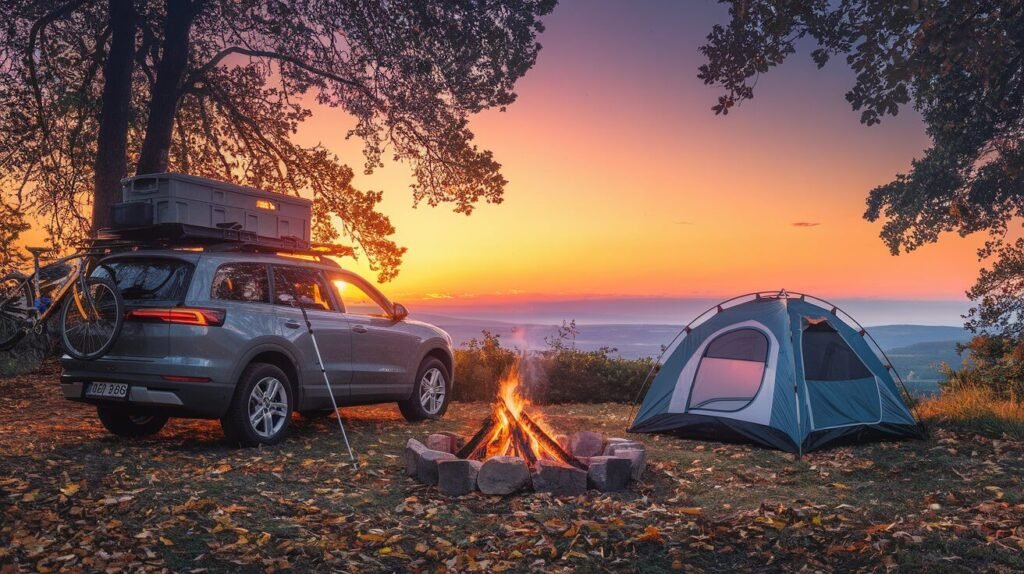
[{"x": 107, "y": 391}]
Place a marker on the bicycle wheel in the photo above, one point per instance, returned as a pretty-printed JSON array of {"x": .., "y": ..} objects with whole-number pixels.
[
  {"x": 15, "y": 309},
  {"x": 91, "y": 320}
]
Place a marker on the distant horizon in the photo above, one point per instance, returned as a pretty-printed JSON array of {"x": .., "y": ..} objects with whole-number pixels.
[{"x": 668, "y": 310}]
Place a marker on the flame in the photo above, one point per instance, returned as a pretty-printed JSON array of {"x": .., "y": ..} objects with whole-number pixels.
[{"x": 501, "y": 441}]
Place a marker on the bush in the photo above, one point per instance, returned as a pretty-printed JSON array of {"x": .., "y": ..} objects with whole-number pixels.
[
  {"x": 996, "y": 365},
  {"x": 559, "y": 374},
  {"x": 480, "y": 366}
]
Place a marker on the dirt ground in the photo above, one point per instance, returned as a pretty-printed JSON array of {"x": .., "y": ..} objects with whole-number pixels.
[{"x": 73, "y": 498}]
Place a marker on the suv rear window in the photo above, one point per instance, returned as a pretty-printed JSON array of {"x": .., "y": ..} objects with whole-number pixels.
[{"x": 148, "y": 279}]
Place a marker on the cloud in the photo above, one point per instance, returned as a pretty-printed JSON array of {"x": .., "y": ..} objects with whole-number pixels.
[
  {"x": 683, "y": 223},
  {"x": 438, "y": 296},
  {"x": 806, "y": 224}
]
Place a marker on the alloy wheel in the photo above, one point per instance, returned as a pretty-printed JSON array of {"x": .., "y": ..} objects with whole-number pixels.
[
  {"x": 268, "y": 407},
  {"x": 432, "y": 391}
]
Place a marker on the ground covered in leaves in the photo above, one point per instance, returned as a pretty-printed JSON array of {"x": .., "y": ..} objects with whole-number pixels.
[{"x": 73, "y": 498}]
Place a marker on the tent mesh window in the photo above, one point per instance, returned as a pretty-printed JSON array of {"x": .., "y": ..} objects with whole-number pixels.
[
  {"x": 827, "y": 357},
  {"x": 731, "y": 371}
]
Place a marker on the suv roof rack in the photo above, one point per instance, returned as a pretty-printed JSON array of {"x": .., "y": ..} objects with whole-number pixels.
[{"x": 221, "y": 239}]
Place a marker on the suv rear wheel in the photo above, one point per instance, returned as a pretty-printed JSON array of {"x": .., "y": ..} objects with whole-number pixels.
[
  {"x": 430, "y": 394},
  {"x": 261, "y": 409},
  {"x": 131, "y": 425}
]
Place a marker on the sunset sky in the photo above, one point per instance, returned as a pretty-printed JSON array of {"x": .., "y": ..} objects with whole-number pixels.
[
  {"x": 624, "y": 185},
  {"x": 622, "y": 182}
]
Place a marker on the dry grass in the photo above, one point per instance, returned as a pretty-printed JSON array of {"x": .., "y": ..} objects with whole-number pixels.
[{"x": 976, "y": 409}]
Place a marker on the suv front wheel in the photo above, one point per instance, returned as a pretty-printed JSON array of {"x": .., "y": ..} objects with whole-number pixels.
[
  {"x": 261, "y": 409},
  {"x": 430, "y": 394}
]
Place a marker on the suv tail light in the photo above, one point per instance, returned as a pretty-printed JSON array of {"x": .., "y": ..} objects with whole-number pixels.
[{"x": 179, "y": 316}]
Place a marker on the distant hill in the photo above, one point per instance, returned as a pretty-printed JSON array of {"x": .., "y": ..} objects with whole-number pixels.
[
  {"x": 912, "y": 348},
  {"x": 921, "y": 360},
  {"x": 897, "y": 336}
]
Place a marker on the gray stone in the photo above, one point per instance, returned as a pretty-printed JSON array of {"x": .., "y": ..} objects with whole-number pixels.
[
  {"x": 586, "y": 443},
  {"x": 559, "y": 479},
  {"x": 457, "y": 477},
  {"x": 609, "y": 473},
  {"x": 637, "y": 460},
  {"x": 412, "y": 448},
  {"x": 426, "y": 464},
  {"x": 503, "y": 475},
  {"x": 614, "y": 447},
  {"x": 444, "y": 442}
]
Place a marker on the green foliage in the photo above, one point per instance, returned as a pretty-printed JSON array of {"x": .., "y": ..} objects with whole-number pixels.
[
  {"x": 996, "y": 366},
  {"x": 479, "y": 367},
  {"x": 559, "y": 374},
  {"x": 960, "y": 64},
  {"x": 575, "y": 376}
]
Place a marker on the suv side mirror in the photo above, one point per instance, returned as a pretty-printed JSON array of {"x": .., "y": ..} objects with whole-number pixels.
[{"x": 399, "y": 312}]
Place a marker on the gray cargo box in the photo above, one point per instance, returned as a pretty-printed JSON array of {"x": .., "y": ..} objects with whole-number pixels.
[{"x": 207, "y": 203}]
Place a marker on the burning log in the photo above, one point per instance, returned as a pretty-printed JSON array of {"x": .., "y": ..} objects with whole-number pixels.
[
  {"x": 482, "y": 438},
  {"x": 520, "y": 442},
  {"x": 548, "y": 442}
]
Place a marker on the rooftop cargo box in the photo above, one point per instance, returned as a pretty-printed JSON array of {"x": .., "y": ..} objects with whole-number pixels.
[{"x": 209, "y": 207}]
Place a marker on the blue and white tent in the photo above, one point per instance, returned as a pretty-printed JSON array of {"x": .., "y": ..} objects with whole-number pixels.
[{"x": 778, "y": 369}]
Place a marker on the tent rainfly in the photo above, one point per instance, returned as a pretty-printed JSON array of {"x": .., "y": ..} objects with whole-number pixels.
[{"x": 779, "y": 370}]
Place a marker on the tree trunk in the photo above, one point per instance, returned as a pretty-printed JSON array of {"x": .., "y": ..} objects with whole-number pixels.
[
  {"x": 112, "y": 143},
  {"x": 170, "y": 73}
]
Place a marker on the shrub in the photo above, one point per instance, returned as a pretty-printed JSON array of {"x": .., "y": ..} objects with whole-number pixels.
[
  {"x": 561, "y": 373},
  {"x": 479, "y": 367},
  {"x": 996, "y": 365}
]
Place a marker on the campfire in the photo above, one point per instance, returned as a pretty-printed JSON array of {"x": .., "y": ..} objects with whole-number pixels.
[
  {"x": 511, "y": 431},
  {"x": 514, "y": 448}
]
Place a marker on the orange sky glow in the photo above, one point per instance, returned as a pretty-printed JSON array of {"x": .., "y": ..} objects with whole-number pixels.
[{"x": 622, "y": 182}]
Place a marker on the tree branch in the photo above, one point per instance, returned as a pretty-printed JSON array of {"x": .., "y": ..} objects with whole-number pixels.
[
  {"x": 37, "y": 28},
  {"x": 217, "y": 58}
]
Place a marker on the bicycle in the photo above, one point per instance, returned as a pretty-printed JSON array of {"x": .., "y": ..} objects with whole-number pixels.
[{"x": 92, "y": 313}]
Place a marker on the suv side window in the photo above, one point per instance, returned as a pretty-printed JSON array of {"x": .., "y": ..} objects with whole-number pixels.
[
  {"x": 305, "y": 285},
  {"x": 246, "y": 282},
  {"x": 356, "y": 298}
]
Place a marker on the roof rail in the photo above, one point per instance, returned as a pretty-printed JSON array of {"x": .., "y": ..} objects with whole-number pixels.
[{"x": 183, "y": 236}]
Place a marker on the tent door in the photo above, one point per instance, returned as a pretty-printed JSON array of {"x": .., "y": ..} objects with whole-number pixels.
[{"x": 841, "y": 390}]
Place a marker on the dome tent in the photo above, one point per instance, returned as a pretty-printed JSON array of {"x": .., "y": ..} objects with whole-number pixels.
[{"x": 778, "y": 369}]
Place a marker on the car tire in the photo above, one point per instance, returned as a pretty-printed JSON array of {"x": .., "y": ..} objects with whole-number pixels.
[
  {"x": 431, "y": 393},
  {"x": 130, "y": 425},
  {"x": 258, "y": 415}
]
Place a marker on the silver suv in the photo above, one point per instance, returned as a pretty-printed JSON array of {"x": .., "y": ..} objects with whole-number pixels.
[{"x": 221, "y": 335}]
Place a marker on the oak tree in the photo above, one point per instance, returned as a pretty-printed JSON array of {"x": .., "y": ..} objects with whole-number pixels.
[
  {"x": 959, "y": 64},
  {"x": 94, "y": 90}
]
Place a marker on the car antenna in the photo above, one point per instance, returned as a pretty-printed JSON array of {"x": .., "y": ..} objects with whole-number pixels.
[{"x": 327, "y": 381}]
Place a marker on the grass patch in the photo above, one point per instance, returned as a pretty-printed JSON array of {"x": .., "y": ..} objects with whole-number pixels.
[{"x": 975, "y": 409}]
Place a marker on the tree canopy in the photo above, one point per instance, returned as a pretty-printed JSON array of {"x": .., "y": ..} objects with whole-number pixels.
[
  {"x": 959, "y": 63},
  {"x": 93, "y": 90}
]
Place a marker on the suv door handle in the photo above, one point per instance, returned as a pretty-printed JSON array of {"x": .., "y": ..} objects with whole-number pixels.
[
  {"x": 359, "y": 329},
  {"x": 292, "y": 324}
]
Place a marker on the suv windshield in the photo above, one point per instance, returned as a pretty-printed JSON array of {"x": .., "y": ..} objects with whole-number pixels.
[{"x": 147, "y": 279}]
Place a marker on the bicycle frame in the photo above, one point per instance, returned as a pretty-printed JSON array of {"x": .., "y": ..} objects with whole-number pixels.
[{"x": 79, "y": 274}]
